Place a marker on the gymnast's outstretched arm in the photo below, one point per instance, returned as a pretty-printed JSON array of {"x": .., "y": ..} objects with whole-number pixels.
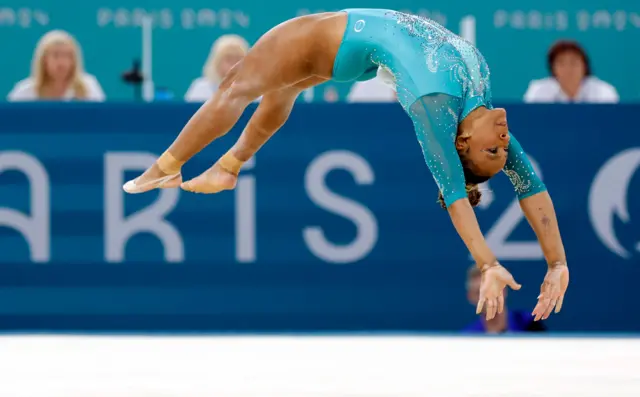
[
  {"x": 538, "y": 208},
  {"x": 535, "y": 202},
  {"x": 435, "y": 118}
]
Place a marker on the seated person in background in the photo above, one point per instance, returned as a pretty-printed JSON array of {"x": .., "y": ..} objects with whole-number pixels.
[
  {"x": 571, "y": 80},
  {"x": 57, "y": 73},
  {"x": 507, "y": 321},
  {"x": 377, "y": 89},
  {"x": 225, "y": 52}
]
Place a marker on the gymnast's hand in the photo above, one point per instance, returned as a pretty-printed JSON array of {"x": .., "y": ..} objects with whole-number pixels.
[
  {"x": 494, "y": 280},
  {"x": 552, "y": 290}
]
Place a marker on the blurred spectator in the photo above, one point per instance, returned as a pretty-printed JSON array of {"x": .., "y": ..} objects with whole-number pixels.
[
  {"x": 331, "y": 94},
  {"x": 571, "y": 79},
  {"x": 378, "y": 89},
  {"x": 373, "y": 90},
  {"x": 57, "y": 73},
  {"x": 507, "y": 321},
  {"x": 225, "y": 53}
]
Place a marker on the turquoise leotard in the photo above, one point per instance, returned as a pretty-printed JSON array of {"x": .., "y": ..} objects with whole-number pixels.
[{"x": 439, "y": 77}]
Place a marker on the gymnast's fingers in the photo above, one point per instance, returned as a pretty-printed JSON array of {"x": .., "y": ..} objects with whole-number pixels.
[
  {"x": 500, "y": 303},
  {"x": 491, "y": 308},
  {"x": 541, "y": 307},
  {"x": 552, "y": 305},
  {"x": 480, "y": 304},
  {"x": 559, "y": 305}
]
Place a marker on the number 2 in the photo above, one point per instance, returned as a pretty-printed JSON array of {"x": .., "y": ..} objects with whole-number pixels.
[{"x": 505, "y": 225}]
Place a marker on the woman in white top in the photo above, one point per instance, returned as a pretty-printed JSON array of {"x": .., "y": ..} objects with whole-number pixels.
[
  {"x": 571, "y": 81},
  {"x": 57, "y": 73},
  {"x": 379, "y": 89},
  {"x": 225, "y": 52},
  {"x": 371, "y": 91}
]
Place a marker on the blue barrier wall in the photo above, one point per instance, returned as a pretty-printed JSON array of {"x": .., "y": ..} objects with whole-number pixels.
[{"x": 334, "y": 226}]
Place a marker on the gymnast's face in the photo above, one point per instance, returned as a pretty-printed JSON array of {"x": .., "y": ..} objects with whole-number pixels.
[{"x": 485, "y": 150}]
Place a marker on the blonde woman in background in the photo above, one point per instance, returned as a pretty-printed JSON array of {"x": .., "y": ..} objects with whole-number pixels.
[
  {"x": 225, "y": 52},
  {"x": 57, "y": 73}
]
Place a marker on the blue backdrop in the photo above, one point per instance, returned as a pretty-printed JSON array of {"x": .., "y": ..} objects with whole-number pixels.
[
  {"x": 513, "y": 36},
  {"x": 334, "y": 226}
]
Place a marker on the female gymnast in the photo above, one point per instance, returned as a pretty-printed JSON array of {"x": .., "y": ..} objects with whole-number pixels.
[{"x": 442, "y": 83}]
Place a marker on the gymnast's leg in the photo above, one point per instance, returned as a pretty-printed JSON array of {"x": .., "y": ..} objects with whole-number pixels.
[
  {"x": 214, "y": 119},
  {"x": 282, "y": 58},
  {"x": 272, "y": 113}
]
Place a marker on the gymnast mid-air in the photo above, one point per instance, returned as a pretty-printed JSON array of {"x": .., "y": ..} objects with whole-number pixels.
[{"x": 443, "y": 84}]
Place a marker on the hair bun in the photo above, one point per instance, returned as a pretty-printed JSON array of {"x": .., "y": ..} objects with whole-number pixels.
[{"x": 473, "y": 193}]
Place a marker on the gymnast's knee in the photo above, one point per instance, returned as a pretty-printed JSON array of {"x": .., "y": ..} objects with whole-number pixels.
[
  {"x": 229, "y": 102},
  {"x": 238, "y": 95},
  {"x": 237, "y": 89}
]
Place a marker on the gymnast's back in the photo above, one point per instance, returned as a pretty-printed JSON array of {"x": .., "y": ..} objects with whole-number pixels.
[{"x": 422, "y": 56}]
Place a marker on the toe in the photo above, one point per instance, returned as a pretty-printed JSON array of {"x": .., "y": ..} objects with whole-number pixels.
[
  {"x": 130, "y": 187},
  {"x": 187, "y": 186}
]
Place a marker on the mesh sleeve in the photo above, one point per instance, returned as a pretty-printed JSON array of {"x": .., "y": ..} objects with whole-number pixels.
[
  {"x": 519, "y": 169},
  {"x": 435, "y": 118}
]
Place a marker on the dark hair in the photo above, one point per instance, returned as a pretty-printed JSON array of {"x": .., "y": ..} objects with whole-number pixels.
[
  {"x": 471, "y": 179},
  {"x": 562, "y": 46},
  {"x": 473, "y": 192}
]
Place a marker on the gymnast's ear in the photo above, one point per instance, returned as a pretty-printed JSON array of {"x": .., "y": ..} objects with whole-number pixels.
[{"x": 462, "y": 141}]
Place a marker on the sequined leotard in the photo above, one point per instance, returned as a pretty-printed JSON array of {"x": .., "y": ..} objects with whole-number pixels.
[{"x": 439, "y": 77}]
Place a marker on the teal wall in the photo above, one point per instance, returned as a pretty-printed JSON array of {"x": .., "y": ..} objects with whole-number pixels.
[{"x": 514, "y": 38}]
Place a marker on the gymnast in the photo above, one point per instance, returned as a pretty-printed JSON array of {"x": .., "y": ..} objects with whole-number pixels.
[{"x": 442, "y": 83}]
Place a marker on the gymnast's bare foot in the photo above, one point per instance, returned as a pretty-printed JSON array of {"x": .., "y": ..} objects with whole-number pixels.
[
  {"x": 213, "y": 180},
  {"x": 153, "y": 178}
]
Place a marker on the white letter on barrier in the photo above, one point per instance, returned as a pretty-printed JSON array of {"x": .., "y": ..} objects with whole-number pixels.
[
  {"x": 36, "y": 227},
  {"x": 497, "y": 237},
  {"x": 119, "y": 229},
  {"x": 365, "y": 221},
  {"x": 245, "y": 200}
]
